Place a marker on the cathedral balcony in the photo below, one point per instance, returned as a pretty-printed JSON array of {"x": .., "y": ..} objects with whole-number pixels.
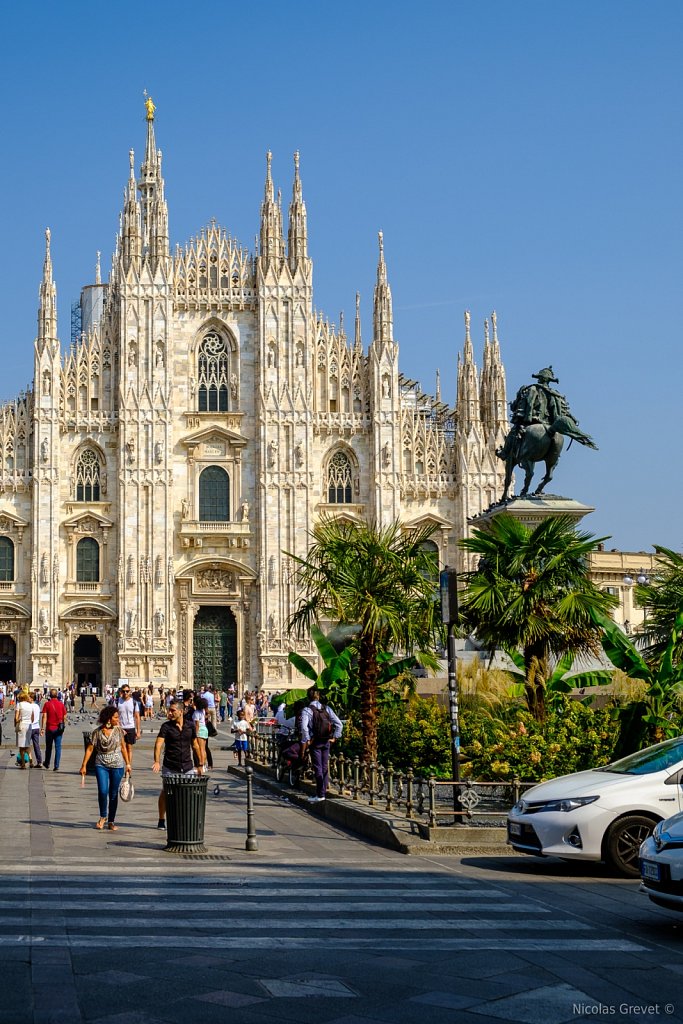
[
  {"x": 17, "y": 589},
  {"x": 101, "y": 589},
  {"x": 196, "y": 533}
]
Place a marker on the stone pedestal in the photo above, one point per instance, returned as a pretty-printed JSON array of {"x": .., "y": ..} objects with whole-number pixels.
[{"x": 531, "y": 511}]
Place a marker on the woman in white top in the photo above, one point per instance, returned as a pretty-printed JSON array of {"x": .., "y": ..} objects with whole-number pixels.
[{"x": 23, "y": 726}]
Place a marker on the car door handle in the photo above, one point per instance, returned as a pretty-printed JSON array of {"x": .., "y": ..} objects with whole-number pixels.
[{"x": 666, "y": 799}]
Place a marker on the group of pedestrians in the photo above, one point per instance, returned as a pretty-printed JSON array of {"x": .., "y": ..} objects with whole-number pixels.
[
  {"x": 181, "y": 746},
  {"x": 308, "y": 729},
  {"x": 31, "y": 722}
]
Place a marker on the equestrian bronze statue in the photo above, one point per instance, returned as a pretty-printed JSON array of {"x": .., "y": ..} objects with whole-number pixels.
[{"x": 541, "y": 419}]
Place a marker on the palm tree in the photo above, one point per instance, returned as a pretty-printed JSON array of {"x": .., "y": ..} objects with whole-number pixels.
[
  {"x": 379, "y": 578},
  {"x": 531, "y": 592},
  {"x": 657, "y": 716},
  {"x": 662, "y": 598}
]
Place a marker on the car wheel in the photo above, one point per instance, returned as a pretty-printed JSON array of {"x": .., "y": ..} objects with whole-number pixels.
[
  {"x": 279, "y": 771},
  {"x": 622, "y": 843}
]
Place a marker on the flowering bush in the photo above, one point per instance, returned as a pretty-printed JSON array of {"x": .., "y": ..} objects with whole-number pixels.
[{"x": 509, "y": 743}]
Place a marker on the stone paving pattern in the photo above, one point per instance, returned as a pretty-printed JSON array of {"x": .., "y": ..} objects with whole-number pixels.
[{"x": 316, "y": 926}]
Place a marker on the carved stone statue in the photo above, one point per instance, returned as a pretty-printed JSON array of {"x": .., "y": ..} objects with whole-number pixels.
[{"x": 541, "y": 418}]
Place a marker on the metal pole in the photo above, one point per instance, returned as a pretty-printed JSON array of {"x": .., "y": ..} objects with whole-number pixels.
[
  {"x": 455, "y": 720},
  {"x": 251, "y": 844}
]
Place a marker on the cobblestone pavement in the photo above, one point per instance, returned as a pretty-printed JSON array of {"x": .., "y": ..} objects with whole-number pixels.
[{"x": 316, "y": 925}]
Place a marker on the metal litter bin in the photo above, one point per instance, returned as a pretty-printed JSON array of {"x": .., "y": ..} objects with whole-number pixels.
[
  {"x": 90, "y": 766},
  {"x": 185, "y": 813}
]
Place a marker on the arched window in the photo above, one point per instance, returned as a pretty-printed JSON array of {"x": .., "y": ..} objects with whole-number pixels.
[
  {"x": 88, "y": 561},
  {"x": 212, "y": 374},
  {"x": 88, "y": 476},
  {"x": 339, "y": 479},
  {"x": 6, "y": 560},
  {"x": 431, "y": 569},
  {"x": 214, "y": 495}
]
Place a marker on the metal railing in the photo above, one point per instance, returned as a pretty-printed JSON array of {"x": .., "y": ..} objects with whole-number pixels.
[{"x": 407, "y": 794}]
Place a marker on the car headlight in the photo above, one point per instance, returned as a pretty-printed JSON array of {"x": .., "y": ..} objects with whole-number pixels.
[{"x": 569, "y": 804}]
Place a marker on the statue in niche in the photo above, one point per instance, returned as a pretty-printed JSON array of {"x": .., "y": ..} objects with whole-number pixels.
[
  {"x": 271, "y": 355},
  {"x": 245, "y": 511},
  {"x": 233, "y": 385},
  {"x": 132, "y": 616},
  {"x": 130, "y": 451},
  {"x": 159, "y": 619},
  {"x": 159, "y": 359},
  {"x": 132, "y": 354},
  {"x": 272, "y": 453},
  {"x": 42, "y": 621},
  {"x": 299, "y": 454},
  {"x": 299, "y": 355},
  {"x": 184, "y": 508},
  {"x": 47, "y": 383},
  {"x": 44, "y": 450},
  {"x": 385, "y": 387},
  {"x": 158, "y": 453},
  {"x": 386, "y": 454}
]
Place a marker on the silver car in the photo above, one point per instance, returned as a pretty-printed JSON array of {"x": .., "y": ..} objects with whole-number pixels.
[{"x": 661, "y": 864}]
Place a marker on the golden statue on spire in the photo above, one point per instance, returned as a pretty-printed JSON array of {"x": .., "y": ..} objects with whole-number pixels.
[{"x": 149, "y": 106}]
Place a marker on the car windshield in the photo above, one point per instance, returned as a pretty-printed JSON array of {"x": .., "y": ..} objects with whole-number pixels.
[{"x": 652, "y": 759}]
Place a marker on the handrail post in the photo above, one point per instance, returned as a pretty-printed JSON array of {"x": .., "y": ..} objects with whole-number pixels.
[
  {"x": 356, "y": 778},
  {"x": 373, "y": 780},
  {"x": 390, "y": 787},
  {"x": 409, "y": 793},
  {"x": 432, "y": 802},
  {"x": 251, "y": 844}
]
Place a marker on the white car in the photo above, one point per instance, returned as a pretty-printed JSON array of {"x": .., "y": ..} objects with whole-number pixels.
[
  {"x": 602, "y": 814},
  {"x": 661, "y": 864}
]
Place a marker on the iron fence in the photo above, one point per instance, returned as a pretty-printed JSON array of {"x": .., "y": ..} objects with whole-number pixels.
[{"x": 406, "y": 793}]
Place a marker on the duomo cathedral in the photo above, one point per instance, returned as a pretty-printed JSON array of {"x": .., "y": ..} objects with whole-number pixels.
[{"x": 154, "y": 477}]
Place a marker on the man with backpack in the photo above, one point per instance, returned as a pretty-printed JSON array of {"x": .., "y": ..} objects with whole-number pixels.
[{"x": 319, "y": 728}]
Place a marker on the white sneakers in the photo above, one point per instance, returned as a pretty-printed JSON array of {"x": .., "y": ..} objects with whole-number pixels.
[{"x": 316, "y": 799}]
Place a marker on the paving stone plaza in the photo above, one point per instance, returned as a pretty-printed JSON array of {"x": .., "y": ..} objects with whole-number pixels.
[{"x": 318, "y": 925}]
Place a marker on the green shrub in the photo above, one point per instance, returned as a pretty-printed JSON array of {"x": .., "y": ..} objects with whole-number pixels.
[{"x": 510, "y": 743}]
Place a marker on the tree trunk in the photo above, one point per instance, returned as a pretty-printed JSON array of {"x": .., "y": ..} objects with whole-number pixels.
[
  {"x": 536, "y": 667},
  {"x": 368, "y": 669}
]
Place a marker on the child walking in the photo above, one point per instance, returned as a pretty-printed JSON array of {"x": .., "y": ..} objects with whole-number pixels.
[{"x": 240, "y": 728}]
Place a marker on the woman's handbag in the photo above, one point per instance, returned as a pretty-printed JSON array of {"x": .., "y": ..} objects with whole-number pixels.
[{"x": 126, "y": 789}]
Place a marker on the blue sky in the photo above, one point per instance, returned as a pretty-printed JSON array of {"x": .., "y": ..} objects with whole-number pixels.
[{"x": 519, "y": 156}]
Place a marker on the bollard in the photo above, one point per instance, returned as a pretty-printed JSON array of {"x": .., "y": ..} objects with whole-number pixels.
[{"x": 251, "y": 844}]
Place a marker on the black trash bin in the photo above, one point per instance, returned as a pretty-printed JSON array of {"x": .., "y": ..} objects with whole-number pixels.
[
  {"x": 185, "y": 813},
  {"x": 90, "y": 766}
]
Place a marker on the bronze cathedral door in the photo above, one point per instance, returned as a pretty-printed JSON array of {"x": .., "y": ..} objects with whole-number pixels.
[{"x": 215, "y": 648}]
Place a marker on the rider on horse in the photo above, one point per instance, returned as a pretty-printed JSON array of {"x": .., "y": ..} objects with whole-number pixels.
[{"x": 534, "y": 403}]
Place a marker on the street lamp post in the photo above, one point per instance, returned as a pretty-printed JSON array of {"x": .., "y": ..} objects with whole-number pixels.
[
  {"x": 642, "y": 579},
  {"x": 448, "y": 586}
]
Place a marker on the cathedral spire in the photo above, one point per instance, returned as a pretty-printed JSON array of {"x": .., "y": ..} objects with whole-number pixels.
[
  {"x": 47, "y": 299},
  {"x": 468, "y": 385},
  {"x": 131, "y": 223},
  {"x": 272, "y": 242},
  {"x": 383, "y": 319},
  {"x": 153, "y": 206},
  {"x": 297, "y": 235},
  {"x": 357, "y": 340},
  {"x": 498, "y": 397}
]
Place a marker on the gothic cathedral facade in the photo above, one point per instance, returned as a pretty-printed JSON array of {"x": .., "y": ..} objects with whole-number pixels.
[{"x": 157, "y": 475}]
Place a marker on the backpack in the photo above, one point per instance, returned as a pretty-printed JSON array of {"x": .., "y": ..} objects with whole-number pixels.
[{"x": 321, "y": 725}]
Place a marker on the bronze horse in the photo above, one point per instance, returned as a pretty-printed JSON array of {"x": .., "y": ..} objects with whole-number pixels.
[{"x": 540, "y": 443}]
